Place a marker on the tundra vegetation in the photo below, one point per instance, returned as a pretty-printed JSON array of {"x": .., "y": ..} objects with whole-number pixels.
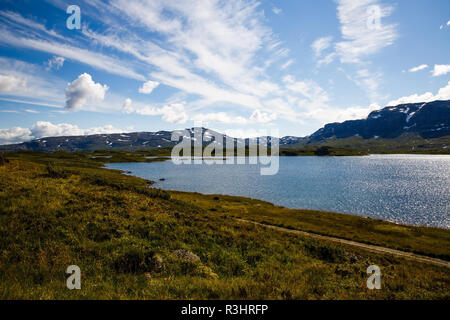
[{"x": 133, "y": 241}]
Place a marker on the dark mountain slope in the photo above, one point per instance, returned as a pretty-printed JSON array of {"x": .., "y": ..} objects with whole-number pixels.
[
  {"x": 400, "y": 125},
  {"x": 427, "y": 120}
]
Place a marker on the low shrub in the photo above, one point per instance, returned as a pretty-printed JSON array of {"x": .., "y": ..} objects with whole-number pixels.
[
  {"x": 113, "y": 182},
  {"x": 3, "y": 160},
  {"x": 56, "y": 172},
  {"x": 135, "y": 261},
  {"x": 154, "y": 193},
  {"x": 326, "y": 253}
]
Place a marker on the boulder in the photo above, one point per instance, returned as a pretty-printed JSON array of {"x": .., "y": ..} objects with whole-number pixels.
[{"x": 186, "y": 255}]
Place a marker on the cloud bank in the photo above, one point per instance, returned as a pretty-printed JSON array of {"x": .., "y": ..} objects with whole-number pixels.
[
  {"x": 443, "y": 94},
  {"x": 42, "y": 129}
]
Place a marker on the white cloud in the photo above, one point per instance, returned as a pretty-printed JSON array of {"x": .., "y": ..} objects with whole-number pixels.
[
  {"x": 287, "y": 64},
  {"x": 22, "y": 79},
  {"x": 173, "y": 113},
  {"x": 243, "y": 133},
  {"x": 309, "y": 89},
  {"x": 418, "y": 68},
  {"x": 208, "y": 48},
  {"x": 15, "y": 135},
  {"x": 262, "y": 117},
  {"x": 443, "y": 94},
  {"x": 82, "y": 89},
  {"x": 96, "y": 60},
  {"x": 330, "y": 115},
  {"x": 55, "y": 62},
  {"x": 277, "y": 10},
  {"x": 27, "y": 25},
  {"x": 362, "y": 29},
  {"x": 10, "y": 83},
  {"x": 364, "y": 34},
  {"x": 126, "y": 107},
  {"x": 321, "y": 45},
  {"x": 148, "y": 87},
  {"x": 47, "y": 129},
  {"x": 42, "y": 129},
  {"x": 368, "y": 81},
  {"x": 441, "y": 69},
  {"x": 219, "y": 117},
  {"x": 327, "y": 59},
  {"x": 314, "y": 103}
]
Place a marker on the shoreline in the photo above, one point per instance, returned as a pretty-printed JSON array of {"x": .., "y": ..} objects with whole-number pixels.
[{"x": 156, "y": 184}]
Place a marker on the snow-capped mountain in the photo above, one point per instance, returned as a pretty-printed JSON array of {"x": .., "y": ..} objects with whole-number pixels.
[{"x": 428, "y": 120}]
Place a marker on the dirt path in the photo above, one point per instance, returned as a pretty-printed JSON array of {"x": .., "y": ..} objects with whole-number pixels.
[{"x": 368, "y": 247}]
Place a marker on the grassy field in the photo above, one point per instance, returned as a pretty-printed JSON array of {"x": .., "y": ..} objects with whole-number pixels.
[
  {"x": 62, "y": 209},
  {"x": 404, "y": 144},
  {"x": 433, "y": 242}
]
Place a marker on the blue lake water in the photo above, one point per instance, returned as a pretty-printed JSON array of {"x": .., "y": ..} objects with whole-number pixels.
[{"x": 410, "y": 189}]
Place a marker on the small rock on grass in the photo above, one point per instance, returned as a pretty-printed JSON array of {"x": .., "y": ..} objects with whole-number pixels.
[{"x": 186, "y": 255}]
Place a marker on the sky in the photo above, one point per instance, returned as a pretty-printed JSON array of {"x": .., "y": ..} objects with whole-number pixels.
[{"x": 241, "y": 67}]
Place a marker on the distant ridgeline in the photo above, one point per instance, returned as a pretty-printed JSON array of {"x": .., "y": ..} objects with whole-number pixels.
[
  {"x": 428, "y": 120},
  {"x": 400, "y": 125}
]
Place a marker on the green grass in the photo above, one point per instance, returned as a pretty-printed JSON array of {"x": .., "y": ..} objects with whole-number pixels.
[
  {"x": 433, "y": 242},
  {"x": 404, "y": 144},
  {"x": 61, "y": 209}
]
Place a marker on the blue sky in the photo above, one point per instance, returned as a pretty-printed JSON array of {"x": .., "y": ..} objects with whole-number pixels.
[{"x": 237, "y": 66}]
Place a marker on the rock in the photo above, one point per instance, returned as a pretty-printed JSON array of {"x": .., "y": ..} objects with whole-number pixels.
[{"x": 186, "y": 255}]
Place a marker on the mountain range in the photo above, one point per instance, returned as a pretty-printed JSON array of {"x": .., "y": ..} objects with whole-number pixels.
[{"x": 420, "y": 122}]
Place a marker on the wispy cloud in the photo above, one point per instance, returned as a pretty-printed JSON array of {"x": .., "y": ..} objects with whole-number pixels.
[
  {"x": 25, "y": 33},
  {"x": 364, "y": 33},
  {"x": 277, "y": 10},
  {"x": 209, "y": 49},
  {"x": 26, "y": 25},
  {"x": 287, "y": 64},
  {"x": 55, "y": 63},
  {"x": 418, "y": 68},
  {"x": 22, "y": 79},
  {"x": 31, "y": 111},
  {"x": 363, "y": 30},
  {"x": 320, "y": 45}
]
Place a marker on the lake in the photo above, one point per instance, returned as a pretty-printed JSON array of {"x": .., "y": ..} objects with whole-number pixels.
[{"x": 410, "y": 189}]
